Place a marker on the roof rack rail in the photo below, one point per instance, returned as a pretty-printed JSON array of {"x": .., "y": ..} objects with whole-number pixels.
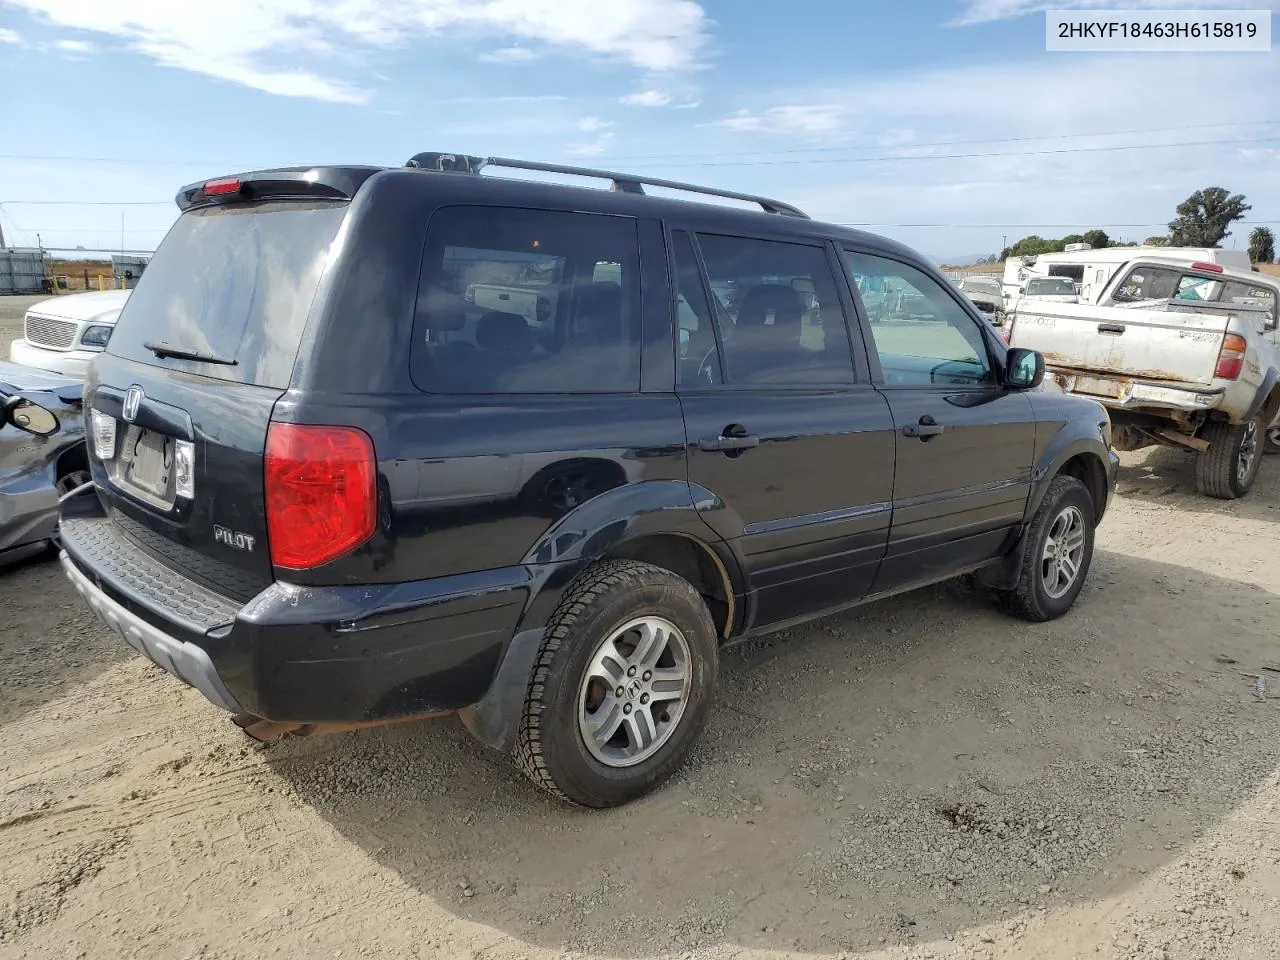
[{"x": 622, "y": 182}]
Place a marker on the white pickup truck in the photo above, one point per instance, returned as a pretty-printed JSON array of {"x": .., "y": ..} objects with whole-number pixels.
[{"x": 1184, "y": 354}]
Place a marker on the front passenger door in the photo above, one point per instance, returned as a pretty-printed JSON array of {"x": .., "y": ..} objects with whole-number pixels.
[{"x": 965, "y": 443}]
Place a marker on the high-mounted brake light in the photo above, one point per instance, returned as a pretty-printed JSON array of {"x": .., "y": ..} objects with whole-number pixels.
[
  {"x": 321, "y": 493},
  {"x": 1211, "y": 267},
  {"x": 215, "y": 188},
  {"x": 1231, "y": 357}
]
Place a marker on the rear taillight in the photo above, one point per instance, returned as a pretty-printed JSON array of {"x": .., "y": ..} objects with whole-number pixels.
[
  {"x": 321, "y": 492},
  {"x": 1231, "y": 357}
]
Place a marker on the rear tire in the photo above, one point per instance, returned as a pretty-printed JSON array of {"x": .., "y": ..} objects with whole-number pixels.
[
  {"x": 1229, "y": 467},
  {"x": 1058, "y": 553},
  {"x": 603, "y": 723}
]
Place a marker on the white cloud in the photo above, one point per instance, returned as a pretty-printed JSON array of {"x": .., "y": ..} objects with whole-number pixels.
[
  {"x": 593, "y": 148},
  {"x": 593, "y": 124},
  {"x": 646, "y": 98},
  {"x": 815, "y": 120},
  {"x": 75, "y": 46},
  {"x": 10, "y": 36},
  {"x": 1043, "y": 105},
  {"x": 509, "y": 55},
  {"x": 986, "y": 11},
  {"x": 269, "y": 45}
]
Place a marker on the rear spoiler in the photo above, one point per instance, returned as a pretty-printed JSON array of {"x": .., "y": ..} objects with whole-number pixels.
[{"x": 318, "y": 183}]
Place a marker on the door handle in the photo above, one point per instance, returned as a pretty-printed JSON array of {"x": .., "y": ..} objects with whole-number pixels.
[
  {"x": 1111, "y": 328},
  {"x": 926, "y": 429},
  {"x": 733, "y": 438}
]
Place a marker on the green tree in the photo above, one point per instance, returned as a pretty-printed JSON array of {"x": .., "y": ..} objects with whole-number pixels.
[
  {"x": 1156, "y": 242},
  {"x": 1262, "y": 245},
  {"x": 1073, "y": 238},
  {"x": 1097, "y": 239},
  {"x": 1205, "y": 217}
]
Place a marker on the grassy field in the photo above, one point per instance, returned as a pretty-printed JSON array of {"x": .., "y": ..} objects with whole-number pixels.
[{"x": 84, "y": 274}]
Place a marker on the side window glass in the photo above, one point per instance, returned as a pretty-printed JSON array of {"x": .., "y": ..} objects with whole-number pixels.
[
  {"x": 923, "y": 337},
  {"x": 698, "y": 358},
  {"x": 1196, "y": 288},
  {"x": 778, "y": 312},
  {"x": 527, "y": 301},
  {"x": 1147, "y": 283},
  {"x": 1235, "y": 291}
]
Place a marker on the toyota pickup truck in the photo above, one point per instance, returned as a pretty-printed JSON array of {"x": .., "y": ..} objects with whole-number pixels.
[{"x": 1181, "y": 354}]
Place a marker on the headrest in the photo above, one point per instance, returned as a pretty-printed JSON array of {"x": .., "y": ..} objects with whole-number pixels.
[
  {"x": 503, "y": 331},
  {"x": 786, "y": 304}
]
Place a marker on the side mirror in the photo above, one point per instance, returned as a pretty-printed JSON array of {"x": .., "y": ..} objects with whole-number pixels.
[
  {"x": 1023, "y": 369},
  {"x": 29, "y": 417}
]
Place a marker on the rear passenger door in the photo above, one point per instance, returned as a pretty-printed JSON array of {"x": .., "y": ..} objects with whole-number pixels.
[
  {"x": 792, "y": 445},
  {"x": 965, "y": 443}
]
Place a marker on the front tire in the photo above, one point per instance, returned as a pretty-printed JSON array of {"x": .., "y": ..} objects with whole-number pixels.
[
  {"x": 1229, "y": 467},
  {"x": 621, "y": 687},
  {"x": 1273, "y": 438},
  {"x": 1058, "y": 553}
]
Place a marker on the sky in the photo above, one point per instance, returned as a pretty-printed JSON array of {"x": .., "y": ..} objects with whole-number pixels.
[{"x": 941, "y": 123}]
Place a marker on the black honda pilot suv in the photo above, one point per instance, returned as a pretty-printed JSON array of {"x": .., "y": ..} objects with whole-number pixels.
[{"x": 375, "y": 444}]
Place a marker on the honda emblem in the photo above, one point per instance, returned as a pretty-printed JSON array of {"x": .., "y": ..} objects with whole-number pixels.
[{"x": 132, "y": 399}]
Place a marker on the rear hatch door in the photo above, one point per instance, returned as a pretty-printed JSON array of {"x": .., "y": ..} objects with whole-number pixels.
[
  {"x": 1128, "y": 342},
  {"x": 202, "y": 351}
]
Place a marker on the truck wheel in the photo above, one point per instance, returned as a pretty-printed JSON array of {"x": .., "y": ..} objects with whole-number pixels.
[
  {"x": 1273, "y": 438},
  {"x": 1058, "y": 552},
  {"x": 1228, "y": 468},
  {"x": 621, "y": 687}
]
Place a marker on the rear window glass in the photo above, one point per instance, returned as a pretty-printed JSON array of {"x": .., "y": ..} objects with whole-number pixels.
[
  {"x": 234, "y": 283},
  {"x": 528, "y": 301}
]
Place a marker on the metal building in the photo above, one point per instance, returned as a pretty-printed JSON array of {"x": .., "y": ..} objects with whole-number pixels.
[
  {"x": 127, "y": 269},
  {"x": 22, "y": 270}
]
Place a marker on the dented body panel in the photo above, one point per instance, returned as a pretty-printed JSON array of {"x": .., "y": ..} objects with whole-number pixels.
[{"x": 1155, "y": 359}]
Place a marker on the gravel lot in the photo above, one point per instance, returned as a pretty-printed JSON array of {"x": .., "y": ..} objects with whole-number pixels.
[{"x": 919, "y": 778}]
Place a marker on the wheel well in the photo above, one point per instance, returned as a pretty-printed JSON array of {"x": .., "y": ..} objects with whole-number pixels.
[
  {"x": 1271, "y": 407},
  {"x": 692, "y": 561},
  {"x": 72, "y": 459},
  {"x": 1088, "y": 470}
]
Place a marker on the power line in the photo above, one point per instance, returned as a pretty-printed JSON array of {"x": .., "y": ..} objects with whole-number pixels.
[
  {"x": 950, "y": 143},
  {"x": 86, "y": 203},
  {"x": 1041, "y": 226},
  {"x": 694, "y": 156},
  {"x": 966, "y": 156}
]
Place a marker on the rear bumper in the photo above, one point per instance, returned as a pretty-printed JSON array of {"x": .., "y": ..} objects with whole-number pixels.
[
  {"x": 1120, "y": 393},
  {"x": 330, "y": 655},
  {"x": 69, "y": 363},
  {"x": 186, "y": 661}
]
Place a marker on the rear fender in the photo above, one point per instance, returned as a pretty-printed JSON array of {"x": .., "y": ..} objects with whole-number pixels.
[
  {"x": 1267, "y": 399},
  {"x": 598, "y": 528}
]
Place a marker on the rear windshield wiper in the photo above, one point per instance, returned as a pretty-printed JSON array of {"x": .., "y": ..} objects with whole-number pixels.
[{"x": 163, "y": 350}]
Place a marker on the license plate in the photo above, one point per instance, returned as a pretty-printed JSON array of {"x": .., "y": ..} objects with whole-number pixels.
[
  {"x": 1098, "y": 387},
  {"x": 151, "y": 464}
]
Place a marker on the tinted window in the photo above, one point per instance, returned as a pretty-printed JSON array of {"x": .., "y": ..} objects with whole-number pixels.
[
  {"x": 779, "y": 315},
  {"x": 699, "y": 357},
  {"x": 1236, "y": 291},
  {"x": 922, "y": 335},
  {"x": 1051, "y": 286},
  {"x": 231, "y": 282},
  {"x": 528, "y": 301}
]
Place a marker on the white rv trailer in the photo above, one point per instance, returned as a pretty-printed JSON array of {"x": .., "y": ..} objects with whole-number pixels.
[{"x": 1093, "y": 269}]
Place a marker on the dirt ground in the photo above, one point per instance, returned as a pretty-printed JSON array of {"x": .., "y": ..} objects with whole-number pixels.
[{"x": 918, "y": 778}]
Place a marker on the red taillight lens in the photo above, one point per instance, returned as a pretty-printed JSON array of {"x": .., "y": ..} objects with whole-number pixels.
[
  {"x": 321, "y": 492},
  {"x": 1208, "y": 267},
  {"x": 1231, "y": 357},
  {"x": 214, "y": 188}
]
